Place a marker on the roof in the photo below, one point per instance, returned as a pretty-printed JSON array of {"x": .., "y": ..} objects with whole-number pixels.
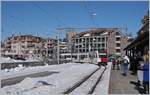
[
  {"x": 138, "y": 39},
  {"x": 95, "y": 31}
]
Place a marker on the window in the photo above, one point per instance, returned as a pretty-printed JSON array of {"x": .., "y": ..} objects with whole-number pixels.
[
  {"x": 117, "y": 33},
  {"x": 103, "y": 45},
  {"x": 83, "y": 50},
  {"x": 14, "y": 51},
  {"x": 23, "y": 46},
  {"x": 15, "y": 38},
  {"x": 80, "y": 40},
  {"x": 102, "y": 55},
  {"x": 76, "y": 40},
  {"x": 103, "y": 39},
  {"x": 118, "y": 44},
  {"x": 91, "y": 39},
  {"x": 87, "y": 50},
  {"x": 106, "y": 38},
  {"x": 94, "y": 39},
  {"x": 80, "y": 46},
  {"x": 87, "y": 45},
  {"x": 87, "y": 39},
  {"x": 118, "y": 38},
  {"x": 83, "y": 40},
  {"x": 118, "y": 50},
  {"x": 79, "y": 50},
  {"x": 99, "y": 39},
  {"x": 99, "y": 45}
]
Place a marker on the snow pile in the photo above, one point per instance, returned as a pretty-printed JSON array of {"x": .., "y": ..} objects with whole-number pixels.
[
  {"x": 9, "y": 60},
  {"x": 68, "y": 75}
]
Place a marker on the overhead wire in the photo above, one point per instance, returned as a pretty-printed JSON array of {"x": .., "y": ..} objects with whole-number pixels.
[
  {"x": 89, "y": 13},
  {"x": 47, "y": 13}
]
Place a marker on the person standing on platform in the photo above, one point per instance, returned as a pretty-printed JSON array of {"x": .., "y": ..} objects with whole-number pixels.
[
  {"x": 139, "y": 67},
  {"x": 125, "y": 65},
  {"x": 118, "y": 64},
  {"x": 114, "y": 63},
  {"x": 146, "y": 74}
]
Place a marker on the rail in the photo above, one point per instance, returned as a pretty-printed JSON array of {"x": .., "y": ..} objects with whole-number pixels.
[{"x": 78, "y": 84}]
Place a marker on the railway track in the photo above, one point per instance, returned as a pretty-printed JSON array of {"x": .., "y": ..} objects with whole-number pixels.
[{"x": 88, "y": 84}]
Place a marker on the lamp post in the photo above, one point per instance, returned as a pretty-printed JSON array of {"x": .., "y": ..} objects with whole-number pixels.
[
  {"x": 89, "y": 50},
  {"x": 93, "y": 43},
  {"x": 58, "y": 48},
  {"x": 72, "y": 45}
]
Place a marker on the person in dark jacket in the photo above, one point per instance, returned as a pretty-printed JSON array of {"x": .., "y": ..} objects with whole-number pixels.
[
  {"x": 114, "y": 63},
  {"x": 118, "y": 65}
]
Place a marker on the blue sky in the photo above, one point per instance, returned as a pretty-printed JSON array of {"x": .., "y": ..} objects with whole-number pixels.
[{"x": 42, "y": 18}]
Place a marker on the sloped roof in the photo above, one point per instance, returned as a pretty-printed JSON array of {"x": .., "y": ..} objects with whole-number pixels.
[{"x": 96, "y": 31}]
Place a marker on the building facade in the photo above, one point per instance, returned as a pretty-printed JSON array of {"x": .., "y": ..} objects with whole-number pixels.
[
  {"x": 23, "y": 46},
  {"x": 110, "y": 39},
  {"x": 32, "y": 46},
  {"x": 48, "y": 48}
]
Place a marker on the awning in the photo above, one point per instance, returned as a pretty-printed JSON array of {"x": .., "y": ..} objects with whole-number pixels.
[{"x": 139, "y": 40}]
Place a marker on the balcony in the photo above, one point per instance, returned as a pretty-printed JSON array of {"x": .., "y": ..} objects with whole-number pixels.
[
  {"x": 118, "y": 41},
  {"x": 118, "y": 36},
  {"x": 118, "y": 47},
  {"x": 118, "y": 53}
]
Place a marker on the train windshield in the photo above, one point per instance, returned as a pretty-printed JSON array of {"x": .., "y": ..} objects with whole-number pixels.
[{"x": 102, "y": 55}]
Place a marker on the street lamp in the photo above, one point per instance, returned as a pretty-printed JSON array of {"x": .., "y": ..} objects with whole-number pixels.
[
  {"x": 72, "y": 46},
  {"x": 58, "y": 48}
]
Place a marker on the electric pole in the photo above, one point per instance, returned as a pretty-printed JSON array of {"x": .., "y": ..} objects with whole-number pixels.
[{"x": 58, "y": 53}]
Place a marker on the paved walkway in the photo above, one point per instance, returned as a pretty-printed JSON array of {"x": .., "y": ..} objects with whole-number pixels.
[{"x": 120, "y": 84}]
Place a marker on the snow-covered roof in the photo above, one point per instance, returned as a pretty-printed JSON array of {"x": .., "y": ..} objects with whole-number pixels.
[{"x": 88, "y": 34}]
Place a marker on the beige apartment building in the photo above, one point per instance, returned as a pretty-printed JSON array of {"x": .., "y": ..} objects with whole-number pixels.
[
  {"x": 23, "y": 46},
  {"x": 111, "y": 39}
]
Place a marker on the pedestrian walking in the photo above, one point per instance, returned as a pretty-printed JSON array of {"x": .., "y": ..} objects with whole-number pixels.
[
  {"x": 114, "y": 63},
  {"x": 125, "y": 65},
  {"x": 146, "y": 74},
  {"x": 118, "y": 65}
]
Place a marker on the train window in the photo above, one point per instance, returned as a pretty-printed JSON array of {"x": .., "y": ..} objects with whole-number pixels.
[{"x": 102, "y": 55}]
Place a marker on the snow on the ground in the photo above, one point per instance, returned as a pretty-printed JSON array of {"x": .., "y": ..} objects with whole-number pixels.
[
  {"x": 9, "y": 60},
  {"x": 103, "y": 86},
  {"x": 68, "y": 75},
  {"x": 20, "y": 70}
]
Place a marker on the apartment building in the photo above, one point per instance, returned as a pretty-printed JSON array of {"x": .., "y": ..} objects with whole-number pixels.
[
  {"x": 23, "y": 46},
  {"x": 110, "y": 39},
  {"x": 32, "y": 46},
  {"x": 48, "y": 48}
]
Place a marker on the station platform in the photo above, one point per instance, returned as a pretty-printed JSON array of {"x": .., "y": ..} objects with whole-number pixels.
[{"x": 120, "y": 84}]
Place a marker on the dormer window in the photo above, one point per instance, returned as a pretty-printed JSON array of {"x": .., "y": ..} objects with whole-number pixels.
[{"x": 117, "y": 33}]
